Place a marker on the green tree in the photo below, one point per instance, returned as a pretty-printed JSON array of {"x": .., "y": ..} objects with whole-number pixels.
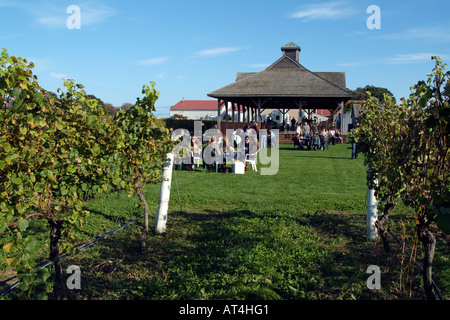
[
  {"x": 407, "y": 148},
  {"x": 377, "y": 92},
  {"x": 144, "y": 146},
  {"x": 55, "y": 152},
  {"x": 427, "y": 171},
  {"x": 381, "y": 137},
  {"x": 54, "y": 155}
]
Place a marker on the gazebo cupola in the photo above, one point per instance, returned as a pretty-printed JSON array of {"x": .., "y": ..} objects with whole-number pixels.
[{"x": 291, "y": 50}]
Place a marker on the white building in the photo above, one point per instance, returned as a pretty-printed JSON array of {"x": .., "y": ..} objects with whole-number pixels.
[{"x": 199, "y": 109}]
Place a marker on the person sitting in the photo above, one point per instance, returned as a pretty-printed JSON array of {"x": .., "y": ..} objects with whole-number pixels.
[
  {"x": 315, "y": 142},
  {"x": 211, "y": 154},
  {"x": 297, "y": 142},
  {"x": 322, "y": 141},
  {"x": 196, "y": 151},
  {"x": 337, "y": 137},
  {"x": 247, "y": 145},
  {"x": 227, "y": 153},
  {"x": 332, "y": 138}
]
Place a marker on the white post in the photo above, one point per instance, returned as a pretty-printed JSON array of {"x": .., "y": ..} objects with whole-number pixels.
[
  {"x": 372, "y": 214},
  {"x": 164, "y": 195}
]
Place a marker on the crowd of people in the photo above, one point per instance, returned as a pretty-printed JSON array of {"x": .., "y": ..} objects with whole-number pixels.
[
  {"x": 216, "y": 150},
  {"x": 315, "y": 139}
]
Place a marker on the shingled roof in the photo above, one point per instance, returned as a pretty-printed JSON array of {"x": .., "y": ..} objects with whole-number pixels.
[{"x": 287, "y": 78}]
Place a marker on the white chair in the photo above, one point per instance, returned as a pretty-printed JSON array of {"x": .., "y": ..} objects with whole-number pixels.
[
  {"x": 197, "y": 158},
  {"x": 251, "y": 158}
]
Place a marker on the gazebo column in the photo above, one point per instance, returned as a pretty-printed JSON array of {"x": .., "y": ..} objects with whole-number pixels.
[
  {"x": 341, "y": 105},
  {"x": 258, "y": 104},
  {"x": 232, "y": 112},
  {"x": 226, "y": 110},
  {"x": 248, "y": 114},
  {"x": 239, "y": 112},
  {"x": 284, "y": 112},
  {"x": 219, "y": 105},
  {"x": 299, "y": 105}
]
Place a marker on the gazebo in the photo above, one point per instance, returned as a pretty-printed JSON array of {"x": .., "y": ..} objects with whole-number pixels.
[{"x": 284, "y": 85}]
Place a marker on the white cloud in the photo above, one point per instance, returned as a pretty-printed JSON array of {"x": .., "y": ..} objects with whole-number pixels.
[
  {"x": 91, "y": 15},
  {"x": 328, "y": 10},
  {"x": 11, "y": 36},
  {"x": 259, "y": 65},
  {"x": 59, "y": 75},
  {"x": 351, "y": 64},
  {"x": 5, "y": 3},
  {"x": 397, "y": 59},
  {"x": 55, "y": 16},
  {"x": 152, "y": 61},
  {"x": 412, "y": 58},
  {"x": 216, "y": 51},
  {"x": 52, "y": 21},
  {"x": 440, "y": 34}
]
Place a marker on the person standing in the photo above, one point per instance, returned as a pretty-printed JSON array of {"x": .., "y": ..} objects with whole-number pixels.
[
  {"x": 306, "y": 130},
  {"x": 354, "y": 144},
  {"x": 293, "y": 124}
]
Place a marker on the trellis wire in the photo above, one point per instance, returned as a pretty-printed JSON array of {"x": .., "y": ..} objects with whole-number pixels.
[{"x": 73, "y": 252}]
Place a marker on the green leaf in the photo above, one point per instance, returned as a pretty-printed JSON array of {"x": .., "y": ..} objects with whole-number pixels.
[
  {"x": 71, "y": 169},
  {"x": 91, "y": 119},
  {"x": 43, "y": 274},
  {"x": 3, "y": 226},
  {"x": 17, "y": 180},
  {"x": 23, "y": 224},
  {"x": 6, "y": 147},
  {"x": 31, "y": 245}
]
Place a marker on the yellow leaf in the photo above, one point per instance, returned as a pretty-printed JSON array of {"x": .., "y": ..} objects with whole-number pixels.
[
  {"x": 9, "y": 261},
  {"x": 7, "y": 247}
]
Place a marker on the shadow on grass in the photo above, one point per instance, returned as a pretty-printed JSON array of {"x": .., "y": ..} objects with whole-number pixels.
[{"x": 233, "y": 255}]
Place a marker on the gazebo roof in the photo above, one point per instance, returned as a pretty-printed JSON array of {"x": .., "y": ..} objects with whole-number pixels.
[{"x": 285, "y": 79}]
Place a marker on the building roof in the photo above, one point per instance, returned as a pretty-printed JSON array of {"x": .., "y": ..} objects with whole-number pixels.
[
  {"x": 287, "y": 80},
  {"x": 195, "y": 105}
]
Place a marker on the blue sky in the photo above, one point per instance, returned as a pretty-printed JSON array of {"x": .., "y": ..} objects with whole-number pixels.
[{"x": 190, "y": 48}]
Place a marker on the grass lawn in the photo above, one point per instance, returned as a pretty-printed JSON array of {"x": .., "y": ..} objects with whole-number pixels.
[{"x": 299, "y": 234}]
